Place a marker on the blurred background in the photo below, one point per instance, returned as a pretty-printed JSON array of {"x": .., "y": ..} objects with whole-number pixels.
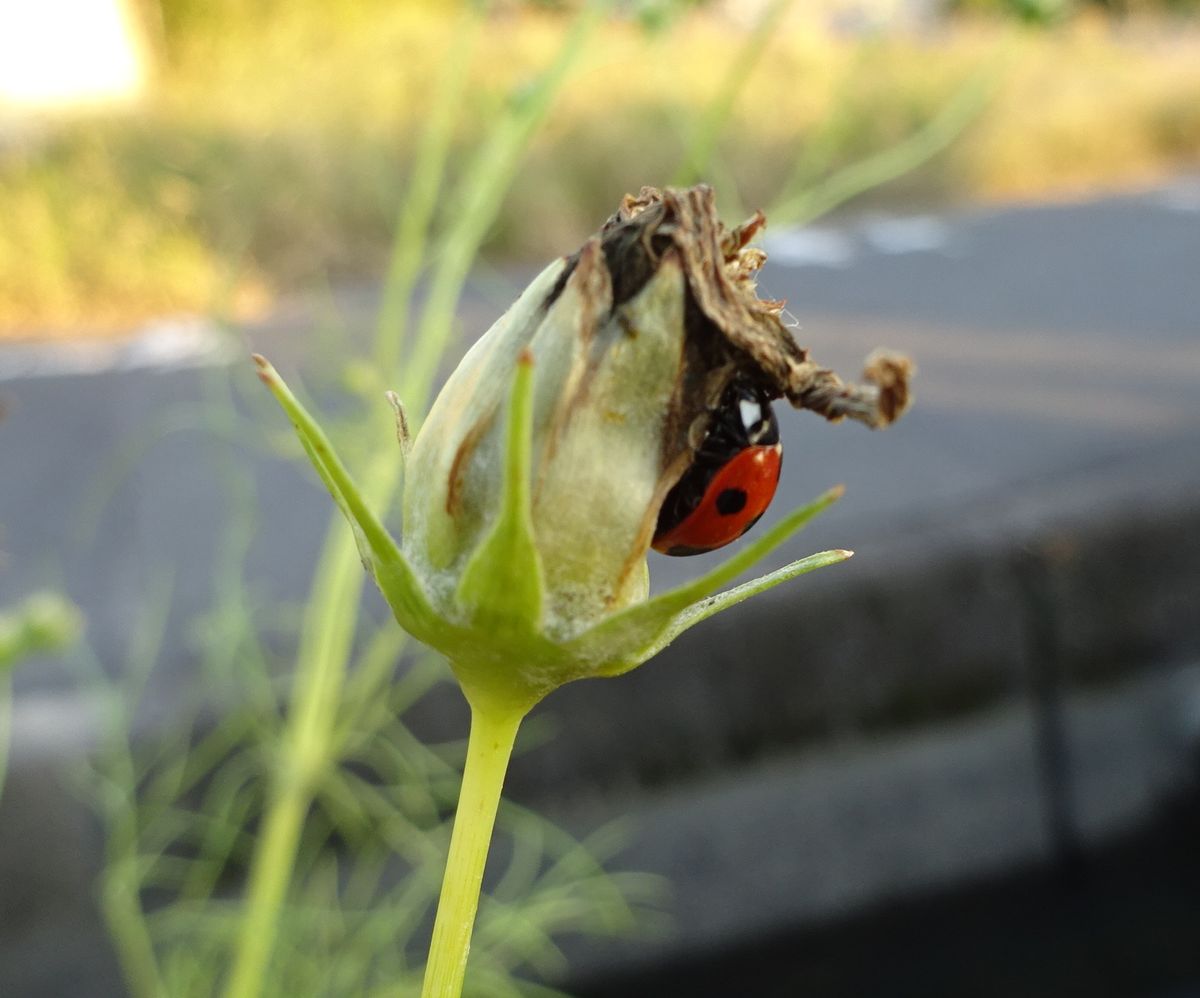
[{"x": 965, "y": 763}]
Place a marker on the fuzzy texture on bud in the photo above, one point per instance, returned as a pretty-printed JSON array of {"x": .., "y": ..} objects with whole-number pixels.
[{"x": 604, "y": 378}]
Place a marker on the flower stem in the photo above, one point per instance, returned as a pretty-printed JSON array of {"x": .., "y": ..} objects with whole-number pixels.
[
  {"x": 307, "y": 750},
  {"x": 488, "y": 750},
  {"x": 5, "y": 725}
]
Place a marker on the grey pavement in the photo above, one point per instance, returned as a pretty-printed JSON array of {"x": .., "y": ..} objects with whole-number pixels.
[
  {"x": 855, "y": 827},
  {"x": 1027, "y": 534}
]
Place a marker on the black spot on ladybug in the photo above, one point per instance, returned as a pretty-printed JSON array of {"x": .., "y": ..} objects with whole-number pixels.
[{"x": 731, "y": 501}]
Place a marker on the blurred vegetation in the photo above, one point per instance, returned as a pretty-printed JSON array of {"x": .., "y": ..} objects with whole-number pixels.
[
  {"x": 41, "y": 623},
  {"x": 184, "y": 807},
  {"x": 275, "y": 143},
  {"x": 1046, "y": 12}
]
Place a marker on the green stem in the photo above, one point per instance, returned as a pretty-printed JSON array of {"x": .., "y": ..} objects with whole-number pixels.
[
  {"x": 699, "y": 154},
  {"x": 479, "y": 198},
  {"x": 421, "y": 198},
  {"x": 122, "y": 907},
  {"x": 270, "y": 875},
  {"x": 5, "y": 725},
  {"x": 308, "y": 741},
  {"x": 488, "y": 750}
]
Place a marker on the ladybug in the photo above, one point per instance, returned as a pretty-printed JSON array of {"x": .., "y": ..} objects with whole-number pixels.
[{"x": 731, "y": 480}]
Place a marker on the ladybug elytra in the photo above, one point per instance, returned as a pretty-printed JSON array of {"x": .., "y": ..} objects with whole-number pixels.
[{"x": 731, "y": 480}]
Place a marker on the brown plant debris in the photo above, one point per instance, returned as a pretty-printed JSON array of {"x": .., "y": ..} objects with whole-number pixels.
[{"x": 732, "y": 327}]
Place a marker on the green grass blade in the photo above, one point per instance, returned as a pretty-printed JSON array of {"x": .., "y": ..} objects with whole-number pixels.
[
  {"x": 424, "y": 186},
  {"x": 480, "y": 195},
  {"x": 698, "y": 156},
  {"x": 891, "y": 163}
]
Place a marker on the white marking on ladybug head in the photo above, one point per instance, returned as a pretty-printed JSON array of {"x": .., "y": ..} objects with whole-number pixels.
[{"x": 751, "y": 413}]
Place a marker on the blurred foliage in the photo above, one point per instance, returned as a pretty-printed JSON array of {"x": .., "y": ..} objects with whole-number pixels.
[
  {"x": 1048, "y": 12},
  {"x": 183, "y": 811},
  {"x": 275, "y": 145},
  {"x": 43, "y": 622},
  {"x": 1026, "y": 11}
]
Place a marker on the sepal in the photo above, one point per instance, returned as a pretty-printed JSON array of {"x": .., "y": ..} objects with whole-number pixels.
[
  {"x": 627, "y": 638},
  {"x": 378, "y": 551},
  {"x": 501, "y": 587}
]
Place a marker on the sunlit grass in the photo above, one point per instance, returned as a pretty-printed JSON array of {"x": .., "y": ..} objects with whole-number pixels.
[
  {"x": 275, "y": 146},
  {"x": 1089, "y": 114}
]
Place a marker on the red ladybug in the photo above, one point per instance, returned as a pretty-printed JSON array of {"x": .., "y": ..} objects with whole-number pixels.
[{"x": 731, "y": 480}]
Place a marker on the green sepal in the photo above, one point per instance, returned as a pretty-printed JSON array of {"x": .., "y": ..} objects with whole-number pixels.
[
  {"x": 629, "y": 637},
  {"x": 378, "y": 550},
  {"x": 706, "y": 608},
  {"x": 501, "y": 587}
]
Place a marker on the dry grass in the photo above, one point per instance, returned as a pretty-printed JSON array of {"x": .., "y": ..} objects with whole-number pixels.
[{"x": 272, "y": 152}]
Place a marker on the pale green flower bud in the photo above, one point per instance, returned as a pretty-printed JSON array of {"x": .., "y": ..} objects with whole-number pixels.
[
  {"x": 603, "y": 382},
  {"x": 533, "y": 488}
]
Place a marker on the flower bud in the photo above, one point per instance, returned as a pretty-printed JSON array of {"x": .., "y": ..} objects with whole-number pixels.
[
  {"x": 604, "y": 380},
  {"x": 630, "y": 347},
  {"x": 533, "y": 488}
]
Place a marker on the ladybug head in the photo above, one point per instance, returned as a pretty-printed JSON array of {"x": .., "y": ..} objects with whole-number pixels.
[
  {"x": 742, "y": 418},
  {"x": 756, "y": 419}
]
